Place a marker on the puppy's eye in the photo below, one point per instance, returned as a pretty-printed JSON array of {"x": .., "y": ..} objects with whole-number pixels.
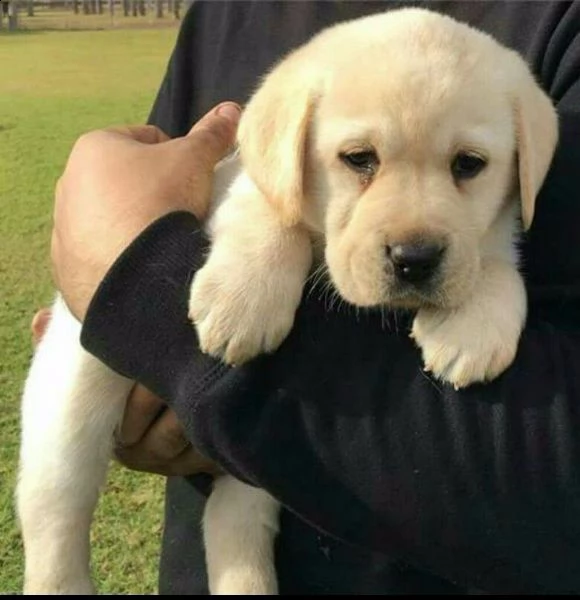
[
  {"x": 361, "y": 161},
  {"x": 467, "y": 165}
]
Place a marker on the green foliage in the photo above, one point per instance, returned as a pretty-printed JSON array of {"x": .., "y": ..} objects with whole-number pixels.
[{"x": 53, "y": 87}]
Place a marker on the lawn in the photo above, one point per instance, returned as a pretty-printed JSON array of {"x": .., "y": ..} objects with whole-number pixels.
[{"x": 54, "y": 86}]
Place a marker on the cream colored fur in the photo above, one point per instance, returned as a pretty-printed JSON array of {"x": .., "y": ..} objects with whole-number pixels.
[{"x": 417, "y": 88}]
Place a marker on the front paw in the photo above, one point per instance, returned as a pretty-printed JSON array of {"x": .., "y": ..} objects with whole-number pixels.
[
  {"x": 238, "y": 316},
  {"x": 462, "y": 348}
]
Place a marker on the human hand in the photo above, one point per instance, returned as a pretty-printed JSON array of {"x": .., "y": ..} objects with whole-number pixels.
[
  {"x": 150, "y": 438},
  {"x": 117, "y": 181}
]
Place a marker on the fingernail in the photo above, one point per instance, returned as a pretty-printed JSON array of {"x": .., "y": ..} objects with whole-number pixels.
[{"x": 229, "y": 111}]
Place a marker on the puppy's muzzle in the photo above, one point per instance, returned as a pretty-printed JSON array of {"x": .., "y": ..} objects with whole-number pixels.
[{"x": 416, "y": 263}]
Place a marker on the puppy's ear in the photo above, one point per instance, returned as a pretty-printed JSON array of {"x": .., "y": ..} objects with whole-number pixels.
[
  {"x": 272, "y": 135},
  {"x": 536, "y": 127}
]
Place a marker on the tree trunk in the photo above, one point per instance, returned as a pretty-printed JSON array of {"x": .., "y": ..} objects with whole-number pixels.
[{"x": 12, "y": 15}]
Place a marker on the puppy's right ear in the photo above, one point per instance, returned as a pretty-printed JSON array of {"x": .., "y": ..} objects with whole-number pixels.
[{"x": 272, "y": 135}]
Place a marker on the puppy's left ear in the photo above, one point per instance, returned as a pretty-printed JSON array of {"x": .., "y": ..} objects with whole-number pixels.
[{"x": 536, "y": 127}]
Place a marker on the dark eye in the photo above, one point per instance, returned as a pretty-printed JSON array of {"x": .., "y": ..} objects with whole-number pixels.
[
  {"x": 466, "y": 165},
  {"x": 361, "y": 161}
]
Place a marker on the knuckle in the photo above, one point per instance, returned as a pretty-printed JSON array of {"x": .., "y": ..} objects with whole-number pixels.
[
  {"x": 159, "y": 451},
  {"x": 157, "y": 133},
  {"x": 84, "y": 141},
  {"x": 91, "y": 145},
  {"x": 214, "y": 136},
  {"x": 171, "y": 442}
]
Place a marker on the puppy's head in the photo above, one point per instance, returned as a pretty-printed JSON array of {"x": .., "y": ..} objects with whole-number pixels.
[{"x": 406, "y": 139}]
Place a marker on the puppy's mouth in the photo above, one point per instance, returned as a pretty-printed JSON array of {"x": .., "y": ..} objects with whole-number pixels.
[
  {"x": 389, "y": 292},
  {"x": 402, "y": 295},
  {"x": 406, "y": 289}
]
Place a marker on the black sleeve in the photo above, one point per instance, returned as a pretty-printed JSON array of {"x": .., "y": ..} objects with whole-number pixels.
[
  {"x": 481, "y": 487},
  {"x": 342, "y": 426}
]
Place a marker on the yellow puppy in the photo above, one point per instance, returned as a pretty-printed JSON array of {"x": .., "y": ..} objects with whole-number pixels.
[{"x": 401, "y": 147}]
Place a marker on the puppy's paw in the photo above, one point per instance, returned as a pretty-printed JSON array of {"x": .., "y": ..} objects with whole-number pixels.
[
  {"x": 58, "y": 586},
  {"x": 477, "y": 341},
  {"x": 246, "y": 580},
  {"x": 462, "y": 348},
  {"x": 239, "y": 314}
]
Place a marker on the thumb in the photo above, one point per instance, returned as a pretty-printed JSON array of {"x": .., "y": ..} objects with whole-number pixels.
[{"x": 213, "y": 136}]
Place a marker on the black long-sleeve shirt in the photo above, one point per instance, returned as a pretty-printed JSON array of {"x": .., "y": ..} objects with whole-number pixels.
[{"x": 375, "y": 464}]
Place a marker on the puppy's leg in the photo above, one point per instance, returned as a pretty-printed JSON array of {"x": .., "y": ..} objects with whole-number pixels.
[
  {"x": 240, "y": 526},
  {"x": 478, "y": 340},
  {"x": 71, "y": 405},
  {"x": 244, "y": 299}
]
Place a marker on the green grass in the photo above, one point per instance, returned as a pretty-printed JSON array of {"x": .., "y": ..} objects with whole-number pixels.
[{"x": 53, "y": 87}]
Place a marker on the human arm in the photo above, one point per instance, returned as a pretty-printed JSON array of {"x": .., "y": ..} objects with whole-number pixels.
[{"x": 474, "y": 486}]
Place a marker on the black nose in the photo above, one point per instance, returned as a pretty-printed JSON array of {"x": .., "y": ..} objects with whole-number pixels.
[{"x": 417, "y": 262}]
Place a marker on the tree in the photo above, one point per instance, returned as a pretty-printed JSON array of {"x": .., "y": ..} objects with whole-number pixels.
[{"x": 12, "y": 15}]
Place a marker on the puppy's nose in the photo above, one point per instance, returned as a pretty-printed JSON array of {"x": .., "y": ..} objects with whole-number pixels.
[{"x": 417, "y": 262}]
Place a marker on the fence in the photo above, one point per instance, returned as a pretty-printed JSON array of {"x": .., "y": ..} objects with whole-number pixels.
[{"x": 89, "y": 14}]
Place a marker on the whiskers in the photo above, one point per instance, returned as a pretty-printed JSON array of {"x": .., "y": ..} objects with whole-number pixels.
[
  {"x": 320, "y": 282},
  {"x": 389, "y": 321},
  {"x": 319, "y": 276}
]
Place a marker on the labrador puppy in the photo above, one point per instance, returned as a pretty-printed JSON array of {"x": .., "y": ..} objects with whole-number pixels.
[{"x": 402, "y": 153}]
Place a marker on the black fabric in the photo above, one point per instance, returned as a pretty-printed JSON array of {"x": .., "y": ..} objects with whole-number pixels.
[{"x": 391, "y": 483}]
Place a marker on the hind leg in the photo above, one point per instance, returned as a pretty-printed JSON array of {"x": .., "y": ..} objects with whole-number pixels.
[
  {"x": 71, "y": 406},
  {"x": 240, "y": 526}
]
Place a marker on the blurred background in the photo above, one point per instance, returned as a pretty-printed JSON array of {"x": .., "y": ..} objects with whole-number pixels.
[{"x": 67, "y": 67}]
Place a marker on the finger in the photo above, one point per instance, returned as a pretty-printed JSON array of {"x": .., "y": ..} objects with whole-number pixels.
[
  {"x": 165, "y": 439},
  {"x": 141, "y": 410},
  {"x": 39, "y": 324},
  {"x": 146, "y": 134},
  {"x": 212, "y": 137},
  {"x": 189, "y": 462}
]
